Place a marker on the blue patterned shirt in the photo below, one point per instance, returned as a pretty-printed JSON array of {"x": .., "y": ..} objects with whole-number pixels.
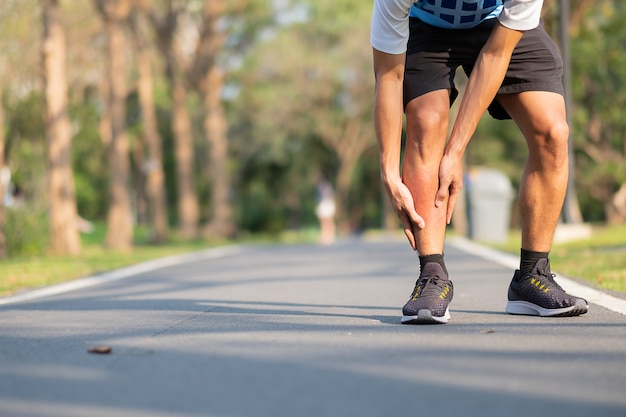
[
  {"x": 455, "y": 14},
  {"x": 390, "y": 18}
]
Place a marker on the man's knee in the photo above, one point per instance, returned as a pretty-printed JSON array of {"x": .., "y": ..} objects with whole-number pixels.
[
  {"x": 558, "y": 132},
  {"x": 551, "y": 142},
  {"x": 429, "y": 113}
]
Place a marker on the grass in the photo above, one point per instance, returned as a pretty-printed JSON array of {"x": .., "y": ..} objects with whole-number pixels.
[
  {"x": 29, "y": 272},
  {"x": 599, "y": 261}
]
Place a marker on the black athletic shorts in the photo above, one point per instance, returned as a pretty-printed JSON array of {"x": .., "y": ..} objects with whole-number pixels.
[{"x": 434, "y": 54}]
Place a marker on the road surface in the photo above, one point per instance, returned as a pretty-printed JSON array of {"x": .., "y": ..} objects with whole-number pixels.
[{"x": 301, "y": 331}]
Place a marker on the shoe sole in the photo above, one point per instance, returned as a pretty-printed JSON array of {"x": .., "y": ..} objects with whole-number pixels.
[
  {"x": 529, "y": 309},
  {"x": 426, "y": 317}
]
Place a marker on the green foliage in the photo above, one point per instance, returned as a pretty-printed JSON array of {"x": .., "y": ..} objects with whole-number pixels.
[
  {"x": 498, "y": 144},
  {"x": 89, "y": 161},
  {"x": 296, "y": 71},
  {"x": 297, "y": 90},
  {"x": 19, "y": 41},
  {"x": 26, "y": 232},
  {"x": 25, "y": 146},
  {"x": 599, "y": 89},
  {"x": 276, "y": 186}
]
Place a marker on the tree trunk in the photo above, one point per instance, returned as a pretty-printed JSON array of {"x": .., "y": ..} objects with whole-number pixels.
[
  {"x": 119, "y": 217},
  {"x": 571, "y": 208},
  {"x": 215, "y": 125},
  {"x": 615, "y": 208},
  {"x": 187, "y": 200},
  {"x": 349, "y": 145},
  {"x": 3, "y": 248},
  {"x": 153, "y": 166},
  {"x": 188, "y": 210},
  {"x": 64, "y": 237},
  {"x": 208, "y": 79},
  {"x": 139, "y": 199}
]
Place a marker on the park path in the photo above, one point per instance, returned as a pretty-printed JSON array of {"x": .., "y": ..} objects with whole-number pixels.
[{"x": 299, "y": 331}]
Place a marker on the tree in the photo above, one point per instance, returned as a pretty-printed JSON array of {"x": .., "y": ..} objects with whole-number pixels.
[
  {"x": 596, "y": 32},
  {"x": 119, "y": 218},
  {"x": 345, "y": 88},
  {"x": 3, "y": 248},
  {"x": 64, "y": 238},
  {"x": 209, "y": 79},
  {"x": 153, "y": 166},
  {"x": 566, "y": 21},
  {"x": 600, "y": 88},
  {"x": 348, "y": 131},
  {"x": 208, "y": 75},
  {"x": 596, "y": 36},
  {"x": 303, "y": 112},
  {"x": 333, "y": 99},
  {"x": 212, "y": 32},
  {"x": 166, "y": 27}
]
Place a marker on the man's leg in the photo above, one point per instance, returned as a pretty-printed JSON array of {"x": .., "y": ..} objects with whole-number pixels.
[
  {"x": 541, "y": 118},
  {"x": 427, "y": 128}
]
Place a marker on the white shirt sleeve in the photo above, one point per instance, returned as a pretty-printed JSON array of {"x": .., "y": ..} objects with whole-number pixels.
[
  {"x": 521, "y": 14},
  {"x": 390, "y": 25}
]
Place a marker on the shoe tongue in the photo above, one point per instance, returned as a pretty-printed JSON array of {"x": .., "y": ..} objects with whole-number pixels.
[
  {"x": 433, "y": 269},
  {"x": 542, "y": 267}
]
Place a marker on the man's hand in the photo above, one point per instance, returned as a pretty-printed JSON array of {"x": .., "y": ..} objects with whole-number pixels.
[
  {"x": 402, "y": 202},
  {"x": 483, "y": 84},
  {"x": 450, "y": 183},
  {"x": 388, "y": 113}
]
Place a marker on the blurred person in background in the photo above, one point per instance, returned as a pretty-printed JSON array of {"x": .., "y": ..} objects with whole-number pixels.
[{"x": 325, "y": 211}]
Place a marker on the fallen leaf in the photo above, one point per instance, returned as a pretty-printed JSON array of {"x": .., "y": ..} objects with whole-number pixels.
[{"x": 102, "y": 350}]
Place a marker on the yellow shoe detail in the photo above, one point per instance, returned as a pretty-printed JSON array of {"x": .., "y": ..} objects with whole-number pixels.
[
  {"x": 417, "y": 292},
  {"x": 444, "y": 292}
]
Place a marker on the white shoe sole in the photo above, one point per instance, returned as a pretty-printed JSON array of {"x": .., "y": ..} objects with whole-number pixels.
[
  {"x": 426, "y": 317},
  {"x": 529, "y": 309}
]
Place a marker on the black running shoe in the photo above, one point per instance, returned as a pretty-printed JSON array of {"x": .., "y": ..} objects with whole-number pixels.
[
  {"x": 537, "y": 294},
  {"x": 430, "y": 298}
]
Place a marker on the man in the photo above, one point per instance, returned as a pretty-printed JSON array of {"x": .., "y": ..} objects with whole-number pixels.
[{"x": 515, "y": 72}]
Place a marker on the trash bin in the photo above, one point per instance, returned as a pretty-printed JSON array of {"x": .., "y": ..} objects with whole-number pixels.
[{"x": 489, "y": 198}]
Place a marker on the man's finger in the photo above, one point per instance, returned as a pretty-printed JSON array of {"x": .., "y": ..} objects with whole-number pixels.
[
  {"x": 450, "y": 207},
  {"x": 409, "y": 234},
  {"x": 408, "y": 229}
]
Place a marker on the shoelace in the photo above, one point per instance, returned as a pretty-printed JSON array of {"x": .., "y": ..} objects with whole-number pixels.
[
  {"x": 429, "y": 286},
  {"x": 550, "y": 277}
]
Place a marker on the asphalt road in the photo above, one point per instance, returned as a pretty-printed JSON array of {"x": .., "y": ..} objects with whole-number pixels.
[{"x": 303, "y": 331}]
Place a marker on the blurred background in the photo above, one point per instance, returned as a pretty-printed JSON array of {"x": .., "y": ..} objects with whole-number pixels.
[{"x": 220, "y": 119}]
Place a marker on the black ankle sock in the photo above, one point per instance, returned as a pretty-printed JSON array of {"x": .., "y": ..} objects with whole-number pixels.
[
  {"x": 437, "y": 258},
  {"x": 528, "y": 259}
]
